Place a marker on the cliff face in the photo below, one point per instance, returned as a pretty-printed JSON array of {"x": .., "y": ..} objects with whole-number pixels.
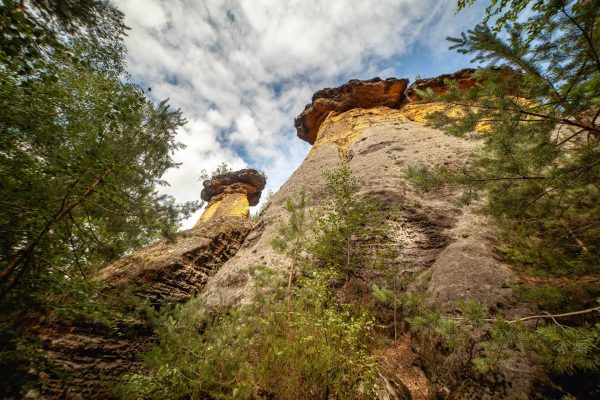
[{"x": 446, "y": 251}]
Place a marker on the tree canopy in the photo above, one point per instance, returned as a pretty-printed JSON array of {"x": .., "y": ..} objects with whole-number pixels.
[{"x": 82, "y": 154}]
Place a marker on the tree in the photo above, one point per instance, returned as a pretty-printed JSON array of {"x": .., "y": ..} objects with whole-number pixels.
[
  {"x": 82, "y": 149},
  {"x": 296, "y": 336},
  {"x": 82, "y": 153},
  {"x": 538, "y": 98},
  {"x": 540, "y": 164}
]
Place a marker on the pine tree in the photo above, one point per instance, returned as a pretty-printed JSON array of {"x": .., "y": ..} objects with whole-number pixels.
[
  {"x": 540, "y": 164},
  {"x": 538, "y": 101}
]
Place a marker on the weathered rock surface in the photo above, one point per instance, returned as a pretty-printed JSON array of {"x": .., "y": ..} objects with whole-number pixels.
[
  {"x": 354, "y": 94},
  {"x": 174, "y": 271},
  {"x": 463, "y": 78},
  {"x": 92, "y": 360},
  {"x": 446, "y": 250}
]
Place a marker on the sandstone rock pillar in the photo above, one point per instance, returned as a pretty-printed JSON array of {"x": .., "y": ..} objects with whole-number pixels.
[{"x": 231, "y": 194}]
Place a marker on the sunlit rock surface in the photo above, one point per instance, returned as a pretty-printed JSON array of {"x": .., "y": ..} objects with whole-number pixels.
[
  {"x": 354, "y": 94},
  {"x": 446, "y": 249}
]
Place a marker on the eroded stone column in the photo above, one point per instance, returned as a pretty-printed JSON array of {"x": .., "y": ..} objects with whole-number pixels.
[{"x": 231, "y": 194}]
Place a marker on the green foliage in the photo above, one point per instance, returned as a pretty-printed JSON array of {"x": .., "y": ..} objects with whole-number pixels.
[
  {"x": 550, "y": 297},
  {"x": 474, "y": 311},
  {"x": 423, "y": 319},
  {"x": 37, "y": 34},
  {"x": 446, "y": 329},
  {"x": 539, "y": 97},
  {"x": 505, "y": 11},
  {"x": 570, "y": 296},
  {"x": 221, "y": 169},
  {"x": 291, "y": 235},
  {"x": 541, "y": 181},
  {"x": 351, "y": 232},
  {"x": 271, "y": 349},
  {"x": 82, "y": 152},
  {"x": 558, "y": 348},
  {"x": 503, "y": 337},
  {"x": 565, "y": 349},
  {"x": 76, "y": 302},
  {"x": 383, "y": 296},
  {"x": 82, "y": 155}
]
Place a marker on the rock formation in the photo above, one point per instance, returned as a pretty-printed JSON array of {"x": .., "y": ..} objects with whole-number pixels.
[
  {"x": 377, "y": 127},
  {"x": 463, "y": 79},
  {"x": 174, "y": 271},
  {"x": 447, "y": 250},
  {"x": 231, "y": 194},
  {"x": 354, "y": 94}
]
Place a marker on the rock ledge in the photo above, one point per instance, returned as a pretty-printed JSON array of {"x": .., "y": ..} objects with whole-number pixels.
[{"x": 354, "y": 94}]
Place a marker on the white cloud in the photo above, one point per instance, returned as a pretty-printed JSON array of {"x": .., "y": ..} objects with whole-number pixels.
[{"x": 242, "y": 70}]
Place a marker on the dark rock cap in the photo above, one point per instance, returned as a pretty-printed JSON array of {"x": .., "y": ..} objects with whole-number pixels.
[
  {"x": 464, "y": 78},
  {"x": 248, "y": 181},
  {"x": 354, "y": 94}
]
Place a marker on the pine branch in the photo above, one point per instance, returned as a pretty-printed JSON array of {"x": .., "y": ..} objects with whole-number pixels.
[
  {"x": 595, "y": 130},
  {"x": 23, "y": 256},
  {"x": 540, "y": 316},
  {"x": 586, "y": 36}
]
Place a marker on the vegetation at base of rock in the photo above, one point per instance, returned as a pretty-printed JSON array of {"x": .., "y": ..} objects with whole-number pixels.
[
  {"x": 302, "y": 333},
  {"x": 82, "y": 153},
  {"x": 274, "y": 348},
  {"x": 556, "y": 347}
]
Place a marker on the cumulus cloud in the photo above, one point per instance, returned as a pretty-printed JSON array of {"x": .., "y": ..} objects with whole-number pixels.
[{"x": 242, "y": 70}]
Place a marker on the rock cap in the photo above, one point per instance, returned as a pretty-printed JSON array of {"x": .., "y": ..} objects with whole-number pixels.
[
  {"x": 354, "y": 94},
  {"x": 248, "y": 181},
  {"x": 464, "y": 78}
]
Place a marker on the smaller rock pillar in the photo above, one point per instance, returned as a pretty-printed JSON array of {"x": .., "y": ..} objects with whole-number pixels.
[{"x": 231, "y": 194}]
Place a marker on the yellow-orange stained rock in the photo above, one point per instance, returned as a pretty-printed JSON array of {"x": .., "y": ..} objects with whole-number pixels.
[
  {"x": 230, "y": 205},
  {"x": 347, "y": 127},
  {"x": 417, "y": 112}
]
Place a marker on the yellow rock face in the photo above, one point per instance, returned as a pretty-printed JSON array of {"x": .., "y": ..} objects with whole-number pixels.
[
  {"x": 347, "y": 127},
  {"x": 230, "y": 205},
  {"x": 417, "y": 112}
]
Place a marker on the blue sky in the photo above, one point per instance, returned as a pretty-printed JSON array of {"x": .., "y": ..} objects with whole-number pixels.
[{"x": 241, "y": 70}]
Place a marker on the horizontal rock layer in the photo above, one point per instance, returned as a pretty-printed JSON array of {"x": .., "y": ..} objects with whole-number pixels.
[{"x": 92, "y": 359}]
